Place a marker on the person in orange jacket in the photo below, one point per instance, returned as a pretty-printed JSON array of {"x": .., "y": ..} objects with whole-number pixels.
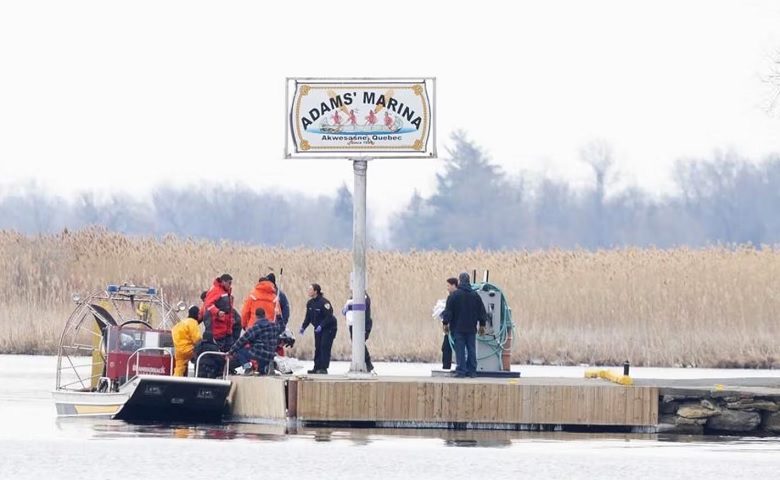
[{"x": 263, "y": 295}]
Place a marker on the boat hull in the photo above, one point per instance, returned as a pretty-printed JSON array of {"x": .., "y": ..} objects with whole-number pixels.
[
  {"x": 151, "y": 398},
  {"x": 88, "y": 404}
]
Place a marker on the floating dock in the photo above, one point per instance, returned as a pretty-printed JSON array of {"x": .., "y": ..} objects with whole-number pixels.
[
  {"x": 445, "y": 402},
  {"x": 596, "y": 403}
]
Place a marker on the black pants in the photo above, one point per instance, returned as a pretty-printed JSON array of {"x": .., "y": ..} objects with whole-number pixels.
[
  {"x": 323, "y": 343},
  {"x": 369, "y": 365},
  {"x": 446, "y": 353}
]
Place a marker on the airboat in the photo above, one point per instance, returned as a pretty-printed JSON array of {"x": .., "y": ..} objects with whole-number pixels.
[{"x": 115, "y": 359}]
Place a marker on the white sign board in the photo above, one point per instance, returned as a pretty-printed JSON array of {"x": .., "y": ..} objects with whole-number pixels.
[{"x": 360, "y": 118}]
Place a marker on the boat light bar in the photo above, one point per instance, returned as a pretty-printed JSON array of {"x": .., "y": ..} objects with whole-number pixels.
[{"x": 131, "y": 290}]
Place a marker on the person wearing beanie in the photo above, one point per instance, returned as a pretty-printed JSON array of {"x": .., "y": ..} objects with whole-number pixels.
[
  {"x": 282, "y": 310},
  {"x": 185, "y": 335},
  {"x": 462, "y": 315},
  {"x": 263, "y": 296}
]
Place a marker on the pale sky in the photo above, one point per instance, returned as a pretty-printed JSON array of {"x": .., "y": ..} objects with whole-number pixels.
[{"x": 124, "y": 96}]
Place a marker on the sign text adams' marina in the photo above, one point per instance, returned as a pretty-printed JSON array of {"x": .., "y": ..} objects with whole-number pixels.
[{"x": 360, "y": 117}]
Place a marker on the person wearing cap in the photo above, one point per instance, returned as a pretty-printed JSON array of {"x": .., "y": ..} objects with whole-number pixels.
[
  {"x": 185, "y": 335},
  {"x": 262, "y": 338},
  {"x": 319, "y": 313},
  {"x": 464, "y": 311}
]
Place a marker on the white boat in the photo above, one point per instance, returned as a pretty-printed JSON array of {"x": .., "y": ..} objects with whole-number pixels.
[{"x": 115, "y": 359}]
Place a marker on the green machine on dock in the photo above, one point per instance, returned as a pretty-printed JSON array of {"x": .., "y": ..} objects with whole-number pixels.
[{"x": 494, "y": 348}]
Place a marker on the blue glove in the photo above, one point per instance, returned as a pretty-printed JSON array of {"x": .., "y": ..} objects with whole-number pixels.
[
  {"x": 300, "y": 332},
  {"x": 318, "y": 329}
]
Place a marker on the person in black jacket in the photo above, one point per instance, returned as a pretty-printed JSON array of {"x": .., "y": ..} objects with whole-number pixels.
[
  {"x": 347, "y": 312},
  {"x": 319, "y": 313},
  {"x": 464, "y": 310},
  {"x": 284, "y": 303}
]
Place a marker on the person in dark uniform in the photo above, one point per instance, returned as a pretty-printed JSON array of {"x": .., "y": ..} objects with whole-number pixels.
[
  {"x": 464, "y": 311},
  {"x": 319, "y": 314}
]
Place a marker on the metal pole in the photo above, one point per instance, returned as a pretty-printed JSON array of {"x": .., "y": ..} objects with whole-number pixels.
[{"x": 360, "y": 169}]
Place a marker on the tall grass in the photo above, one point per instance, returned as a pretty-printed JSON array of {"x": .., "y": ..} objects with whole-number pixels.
[{"x": 711, "y": 307}]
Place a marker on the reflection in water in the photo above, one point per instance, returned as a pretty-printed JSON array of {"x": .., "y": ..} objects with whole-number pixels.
[
  {"x": 114, "y": 429},
  {"x": 460, "y": 438},
  {"x": 463, "y": 442},
  {"x": 277, "y": 432}
]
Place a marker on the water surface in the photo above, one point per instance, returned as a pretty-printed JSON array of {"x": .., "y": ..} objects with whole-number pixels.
[{"x": 35, "y": 444}]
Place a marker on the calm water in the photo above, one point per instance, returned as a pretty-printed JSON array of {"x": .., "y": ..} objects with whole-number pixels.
[{"x": 34, "y": 444}]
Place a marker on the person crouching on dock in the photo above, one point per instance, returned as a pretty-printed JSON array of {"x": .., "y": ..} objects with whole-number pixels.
[{"x": 262, "y": 338}]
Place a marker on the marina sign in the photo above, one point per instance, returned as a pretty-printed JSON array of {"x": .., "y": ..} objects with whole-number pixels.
[{"x": 360, "y": 118}]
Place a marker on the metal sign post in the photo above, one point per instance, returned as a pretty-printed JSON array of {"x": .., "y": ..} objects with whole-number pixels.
[
  {"x": 360, "y": 119},
  {"x": 360, "y": 169}
]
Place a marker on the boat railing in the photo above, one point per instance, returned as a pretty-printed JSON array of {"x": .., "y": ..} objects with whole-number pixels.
[
  {"x": 221, "y": 354},
  {"x": 136, "y": 354},
  {"x": 105, "y": 384}
]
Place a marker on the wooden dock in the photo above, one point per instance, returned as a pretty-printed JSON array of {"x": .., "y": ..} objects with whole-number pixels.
[{"x": 445, "y": 402}]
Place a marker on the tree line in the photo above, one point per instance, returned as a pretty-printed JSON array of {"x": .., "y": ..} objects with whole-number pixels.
[{"x": 725, "y": 199}]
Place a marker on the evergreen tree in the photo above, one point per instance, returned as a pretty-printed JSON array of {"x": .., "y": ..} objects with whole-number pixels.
[
  {"x": 472, "y": 207},
  {"x": 343, "y": 208}
]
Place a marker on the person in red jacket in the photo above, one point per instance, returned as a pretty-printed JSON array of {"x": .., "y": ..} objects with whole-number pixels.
[
  {"x": 218, "y": 297},
  {"x": 221, "y": 321}
]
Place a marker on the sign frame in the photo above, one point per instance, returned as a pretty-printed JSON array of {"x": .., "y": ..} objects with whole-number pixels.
[{"x": 314, "y": 128}]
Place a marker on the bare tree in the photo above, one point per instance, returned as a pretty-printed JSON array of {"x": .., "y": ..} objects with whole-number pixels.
[
  {"x": 773, "y": 80},
  {"x": 599, "y": 156}
]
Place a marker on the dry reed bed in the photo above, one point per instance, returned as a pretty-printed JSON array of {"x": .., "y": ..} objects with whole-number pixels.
[{"x": 713, "y": 307}]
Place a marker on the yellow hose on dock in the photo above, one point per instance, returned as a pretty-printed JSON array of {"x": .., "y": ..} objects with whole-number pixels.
[{"x": 608, "y": 375}]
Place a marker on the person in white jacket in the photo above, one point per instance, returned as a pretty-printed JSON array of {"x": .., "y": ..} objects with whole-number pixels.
[{"x": 438, "y": 309}]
